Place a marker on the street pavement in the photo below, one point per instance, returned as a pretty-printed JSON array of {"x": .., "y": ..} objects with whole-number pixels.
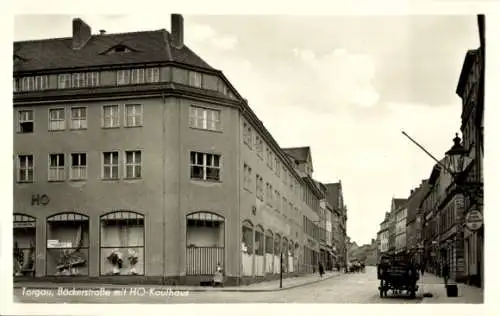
[
  {"x": 338, "y": 288},
  {"x": 466, "y": 294}
]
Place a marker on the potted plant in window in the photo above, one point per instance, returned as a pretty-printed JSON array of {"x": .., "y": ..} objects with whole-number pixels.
[
  {"x": 133, "y": 258},
  {"x": 115, "y": 259}
]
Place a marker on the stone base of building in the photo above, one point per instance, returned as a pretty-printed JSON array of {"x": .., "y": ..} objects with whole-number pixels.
[{"x": 155, "y": 280}]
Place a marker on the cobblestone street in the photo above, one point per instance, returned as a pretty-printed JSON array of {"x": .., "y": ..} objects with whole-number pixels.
[{"x": 344, "y": 288}]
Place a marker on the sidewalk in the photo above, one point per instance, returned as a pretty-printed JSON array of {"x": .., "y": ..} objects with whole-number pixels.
[
  {"x": 466, "y": 294},
  {"x": 268, "y": 286}
]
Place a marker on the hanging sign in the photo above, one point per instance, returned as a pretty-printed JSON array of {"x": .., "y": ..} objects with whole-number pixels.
[{"x": 474, "y": 220}]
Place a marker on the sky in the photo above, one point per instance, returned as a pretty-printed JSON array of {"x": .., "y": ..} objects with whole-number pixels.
[{"x": 344, "y": 85}]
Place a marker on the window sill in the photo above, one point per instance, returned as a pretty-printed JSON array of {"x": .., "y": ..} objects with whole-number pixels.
[
  {"x": 110, "y": 179},
  {"x": 131, "y": 126},
  {"x": 206, "y": 130},
  {"x": 56, "y": 181},
  {"x": 23, "y": 182},
  {"x": 26, "y": 132},
  {"x": 205, "y": 181},
  {"x": 133, "y": 179},
  {"x": 57, "y": 130},
  {"x": 78, "y": 129},
  {"x": 110, "y": 127},
  {"x": 77, "y": 180}
]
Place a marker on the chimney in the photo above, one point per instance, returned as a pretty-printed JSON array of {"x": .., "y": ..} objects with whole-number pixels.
[
  {"x": 177, "y": 30},
  {"x": 81, "y": 33},
  {"x": 102, "y": 32}
]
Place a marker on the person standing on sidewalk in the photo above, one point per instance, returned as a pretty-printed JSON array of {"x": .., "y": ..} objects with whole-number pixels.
[
  {"x": 446, "y": 273},
  {"x": 321, "y": 269}
]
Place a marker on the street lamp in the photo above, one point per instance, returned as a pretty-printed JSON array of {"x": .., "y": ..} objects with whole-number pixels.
[{"x": 456, "y": 157}]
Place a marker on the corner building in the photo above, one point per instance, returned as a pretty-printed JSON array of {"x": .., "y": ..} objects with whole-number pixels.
[{"x": 136, "y": 161}]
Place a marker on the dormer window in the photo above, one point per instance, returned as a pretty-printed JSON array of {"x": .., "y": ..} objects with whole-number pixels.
[{"x": 119, "y": 49}]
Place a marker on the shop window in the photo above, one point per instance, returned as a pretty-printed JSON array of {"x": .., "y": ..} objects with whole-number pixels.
[
  {"x": 122, "y": 243},
  {"x": 204, "y": 242},
  {"x": 24, "y": 245},
  {"x": 67, "y": 244}
]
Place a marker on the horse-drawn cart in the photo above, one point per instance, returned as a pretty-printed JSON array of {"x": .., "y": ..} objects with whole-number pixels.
[{"x": 396, "y": 274}]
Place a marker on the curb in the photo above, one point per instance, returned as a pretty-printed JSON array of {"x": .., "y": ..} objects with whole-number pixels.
[{"x": 115, "y": 287}]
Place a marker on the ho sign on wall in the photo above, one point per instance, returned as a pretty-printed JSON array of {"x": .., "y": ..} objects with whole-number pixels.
[
  {"x": 474, "y": 220},
  {"x": 39, "y": 199}
]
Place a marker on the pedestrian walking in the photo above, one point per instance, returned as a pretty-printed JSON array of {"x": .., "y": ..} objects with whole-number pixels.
[
  {"x": 446, "y": 274},
  {"x": 321, "y": 269},
  {"x": 218, "y": 278}
]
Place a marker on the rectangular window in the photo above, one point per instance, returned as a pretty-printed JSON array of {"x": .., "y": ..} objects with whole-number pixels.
[
  {"x": 15, "y": 84},
  {"x": 26, "y": 121},
  {"x": 259, "y": 145},
  {"x": 93, "y": 79},
  {"x": 138, "y": 76},
  {"x": 277, "y": 198},
  {"x": 152, "y": 75},
  {"x": 247, "y": 177},
  {"x": 79, "y": 80},
  {"x": 110, "y": 165},
  {"x": 247, "y": 134},
  {"x": 79, "y": 118},
  {"x": 64, "y": 81},
  {"x": 41, "y": 83},
  {"x": 204, "y": 118},
  {"x": 78, "y": 166},
  {"x": 205, "y": 166},
  {"x": 195, "y": 79},
  {"x": 25, "y": 167},
  {"x": 123, "y": 77},
  {"x": 56, "y": 167},
  {"x": 57, "y": 119},
  {"x": 133, "y": 164},
  {"x": 110, "y": 116},
  {"x": 271, "y": 197},
  {"x": 133, "y": 115},
  {"x": 27, "y": 84}
]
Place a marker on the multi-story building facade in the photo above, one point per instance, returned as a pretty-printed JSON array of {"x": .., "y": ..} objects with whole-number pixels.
[
  {"x": 401, "y": 214},
  {"x": 470, "y": 89},
  {"x": 412, "y": 222},
  {"x": 383, "y": 235},
  {"x": 394, "y": 228},
  {"x": 336, "y": 199},
  {"x": 135, "y": 159}
]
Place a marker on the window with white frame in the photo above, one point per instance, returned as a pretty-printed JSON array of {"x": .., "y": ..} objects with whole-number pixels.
[
  {"x": 247, "y": 177},
  {"x": 57, "y": 119},
  {"x": 78, "y": 166},
  {"x": 205, "y": 166},
  {"x": 27, "y": 84},
  {"x": 259, "y": 187},
  {"x": 285, "y": 205},
  {"x": 133, "y": 115},
  {"x": 56, "y": 167},
  {"x": 110, "y": 165},
  {"x": 64, "y": 81},
  {"x": 111, "y": 116},
  {"x": 123, "y": 77},
  {"x": 204, "y": 118},
  {"x": 277, "y": 199},
  {"x": 25, "y": 167},
  {"x": 259, "y": 145},
  {"x": 195, "y": 79},
  {"x": 271, "y": 197},
  {"x": 79, "y": 118},
  {"x": 267, "y": 195},
  {"x": 93, "y": 79},
  {"x": 277, "y": 166},
  {"x": 152, "y": 75},
  {"x": 247, "y": 134},
  {"x": 133, "y": 164},
  {"x": 137, "y": 76},
  {"x": 26, "y": 122},
  {"x": 79, "y": 80},
  {"x": 41, "y": 82}
]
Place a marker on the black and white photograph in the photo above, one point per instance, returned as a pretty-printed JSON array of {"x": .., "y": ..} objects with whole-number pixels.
[{"x": 253, "y": 158}]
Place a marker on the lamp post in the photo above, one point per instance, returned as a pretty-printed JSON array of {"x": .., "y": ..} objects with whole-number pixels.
[{"x": 456, "y": 163}]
